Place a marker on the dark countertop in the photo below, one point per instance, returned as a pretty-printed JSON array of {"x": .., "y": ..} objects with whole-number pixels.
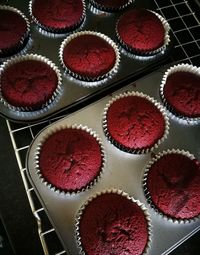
[{"x": 15, "y": 211}]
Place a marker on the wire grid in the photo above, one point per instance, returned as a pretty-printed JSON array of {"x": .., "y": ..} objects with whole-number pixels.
[
  {"x": 185, "y": 29},
  {"x": 186, "y": 32},
  {"x": 21, "y": 137}
]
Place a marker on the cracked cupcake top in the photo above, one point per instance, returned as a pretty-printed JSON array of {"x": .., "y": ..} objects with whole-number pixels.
[
  {"x": 28, "y": 83},
  {"x": 134, "y": 122},
  {"x": 173, "y": 185},
  {"x": 182, "y": 92},
  {"x": 13, "y": 27},
  {"x": 89, "y": 55},
  {"x": 70, "y": 159},
  {"x": 58, "y": 15},
  {"x": 141, "y": 30},
  {"x": 113, "y": 224}
]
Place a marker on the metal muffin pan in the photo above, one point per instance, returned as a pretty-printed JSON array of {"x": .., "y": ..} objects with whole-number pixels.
[
  {"x": 122, "y": 171},
  {"x": 75, "y": 92}
]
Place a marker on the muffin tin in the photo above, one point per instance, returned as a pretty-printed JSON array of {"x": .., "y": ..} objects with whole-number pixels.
[
  {"x": 75, "y": 92},
  {"x": 122, "y": 171}
]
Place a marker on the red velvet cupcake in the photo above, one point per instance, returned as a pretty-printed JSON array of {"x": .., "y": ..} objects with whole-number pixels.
[
  {"x": 143, "y": 32},
  {"x": 171, "y": 185},
  {"x": 180, "y": 92},
  {"x": 70, "y": 159},
  {"x": 112, "y": 5},
  {"x": 14, "y": 31},
  {"x": 29, "y": 83},
  {"x": 135, "y": 123},
  {"x": 89, "y": 56},
  {"x": 111, "y": 222},
  {"x": 56, "y": 15}
]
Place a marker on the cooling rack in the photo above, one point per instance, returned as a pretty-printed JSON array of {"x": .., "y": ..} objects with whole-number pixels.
[{"x": 186, "y": 32}]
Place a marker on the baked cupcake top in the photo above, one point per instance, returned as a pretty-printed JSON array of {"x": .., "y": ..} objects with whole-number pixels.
[
  {"x": 13, "y": 28},
  {"x": 70, "y": 159},
  {"x": 141, "y": 31},
  {"x": 57, "y": 15},
  {"x": 113, "y": 224},
  {"x": 181, "y": 92},
  {"x": 173, "y": 184},
  {"x": 29, "y": 82},
  {"x": 134, "y": 123},
  {"x": 112, "y": 5},
  {"x": 88, "y": 55}
]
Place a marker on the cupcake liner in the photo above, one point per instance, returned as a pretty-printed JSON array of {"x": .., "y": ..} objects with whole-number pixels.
[
  {"x": 53, "y": 130},
  {"x": 110, "y": 9},
  {"x": 145, "y": 52},
  {"x": 86, "y": 84},
  {"x": 52, "y": 34},
  {"x": 7, "y": 52},
  {"x": 27, "y": 46},
  {"x": 171, "y": 110},
  {"x": 144, "y": 58},
  {"x": 18, "y": 59},
  {"x": 122, "y": 147},
  {"x": 119, "y": 192},
  {"x": 57, "y": 30},
  {"x": 147, "y": 193},
  {"x": 85, "y": 78}
]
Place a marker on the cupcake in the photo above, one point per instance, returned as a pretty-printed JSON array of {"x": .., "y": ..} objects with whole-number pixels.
[
  {"x": 70, "y": 159},
  {"x": 56, "y": 15},
  {"x": 14, "y": 31},
  {"x": 111, "y": 222},
  {"x": 111, "y": 6},
  {"x": 142, "y": 32},
  {"x": 135, "y": 123},
  {"x": 180, "y": 91},
  {"x": 89, "y": 56},
  {"x": 29, "y": 83},
  {"x": 171, "y": 185}
]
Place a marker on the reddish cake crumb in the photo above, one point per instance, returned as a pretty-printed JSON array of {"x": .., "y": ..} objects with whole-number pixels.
[
  {"x": 89, "y": 56},
  {"x": 58, "y": 14},
  {"x": 135, "y": 122},
  {"x": 112, "y": 224},
  {"x": 70, "y": 159},
  {"x": 182, "y": 92},
  {"x": 12, "y": 29},
  {"x": 28, "y": 83},
  {"x": 112, "y": 4},
  {"x": 141, "y": 30},
  {"x": 173, "y": 183}
]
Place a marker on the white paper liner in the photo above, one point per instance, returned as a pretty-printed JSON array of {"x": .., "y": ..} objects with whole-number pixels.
[
  {"x": 24, "y": 39},
  {"x": 147, "y": 193},
  {"x": 146, "y": 52},
  {"x": 110, "y": 9},
  {"x": 136, "y": 150},
  {"x": 171, "y": 110},
  {"x": 52, "y": 131},
  {"x": 57, "y": 30},
  {"x": 18, "y": 59},
  {"x": 26, "y": 47},
  {"x": 109, "y": 74},
  {"x": 119, "y": 192}
]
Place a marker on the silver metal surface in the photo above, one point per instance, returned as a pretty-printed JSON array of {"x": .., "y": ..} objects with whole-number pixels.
[
  {"x": 22, "y": 135},
  {"x": 122, "y": 171},
  {"x": 73, "y": 90}
]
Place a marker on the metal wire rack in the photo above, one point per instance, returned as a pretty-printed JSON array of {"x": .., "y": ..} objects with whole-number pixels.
[
  {"x": 186, "y": 32},
  {"x": 185, "y": 28}
]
